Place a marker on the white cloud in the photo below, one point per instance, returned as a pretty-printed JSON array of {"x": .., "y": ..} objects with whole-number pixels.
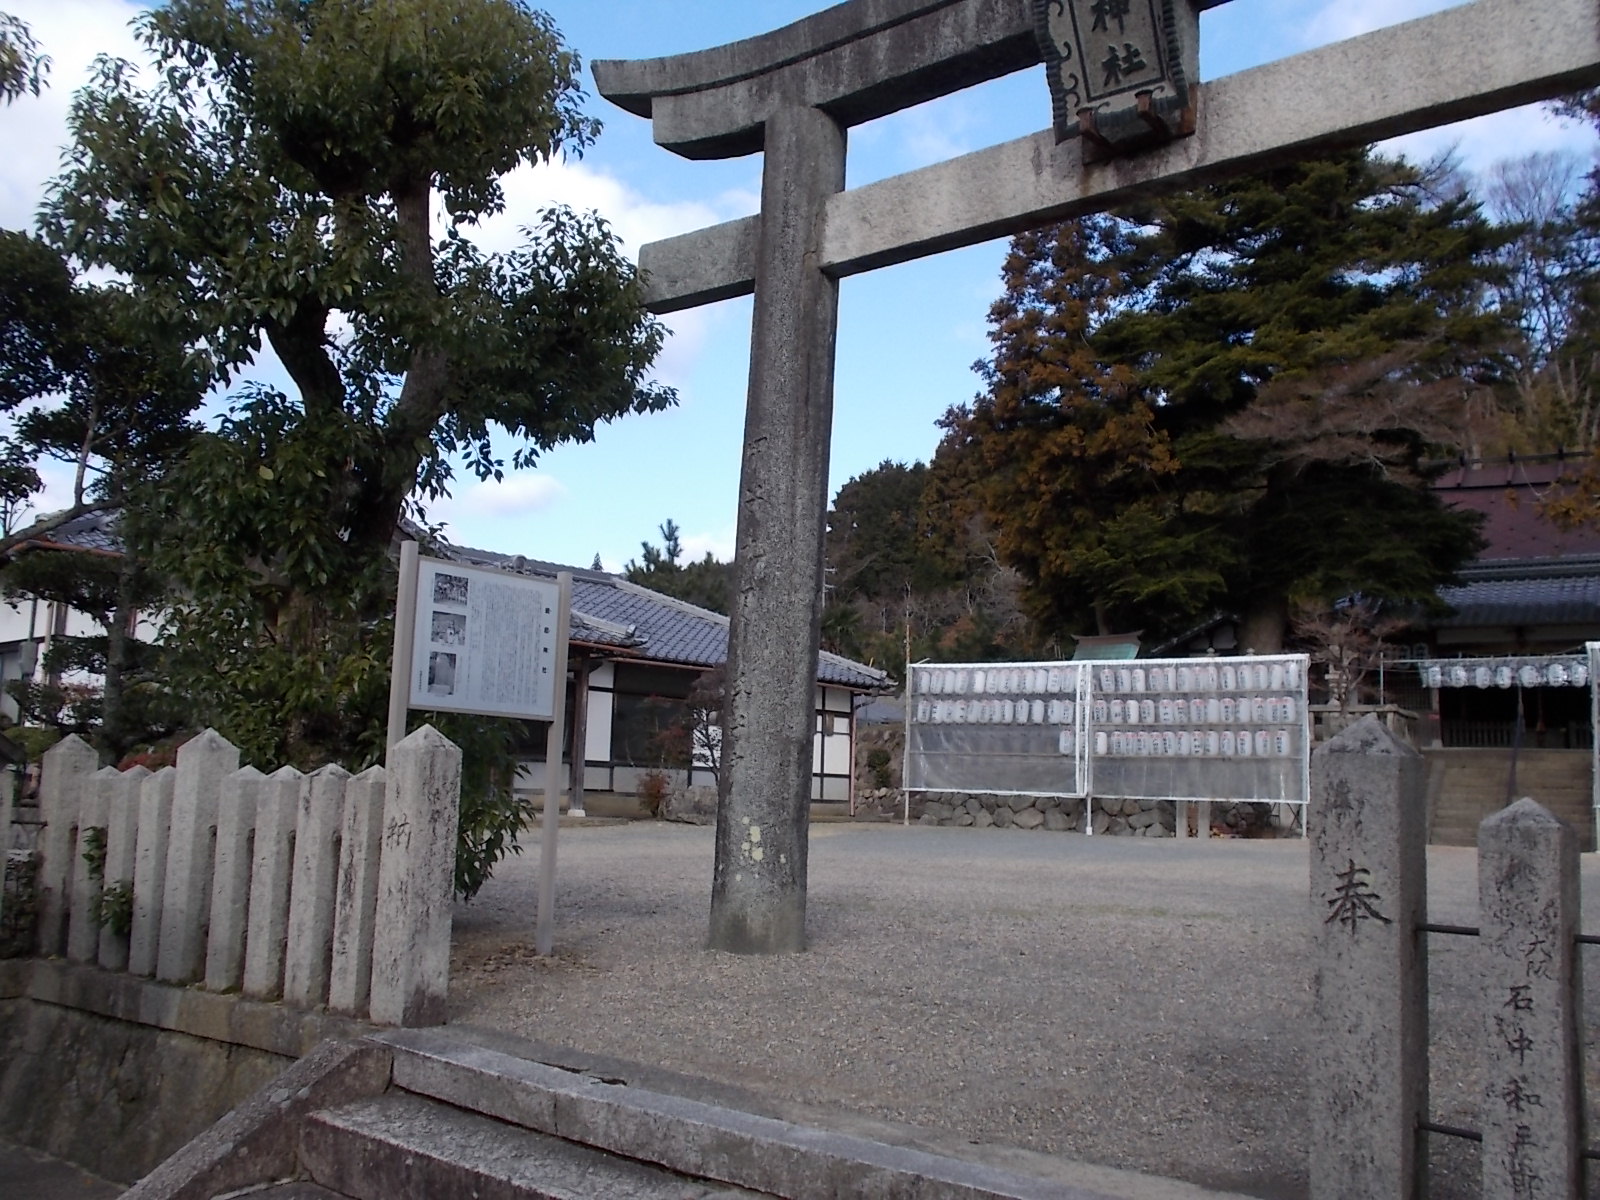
[
  {"x": 517, "y": 495},
  {"x": 34, "y": 129},
  {"x": 632, "y": 217},
  {"x": 1483, "y": 141},
  {"x": 719, "y": 544},
  {"x": 1340, "y": 19}
]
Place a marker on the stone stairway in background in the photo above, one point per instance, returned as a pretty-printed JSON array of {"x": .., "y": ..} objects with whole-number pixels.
[
  {"x": 422, "y": 1114},
  {"x": 1465, "y": 786}
]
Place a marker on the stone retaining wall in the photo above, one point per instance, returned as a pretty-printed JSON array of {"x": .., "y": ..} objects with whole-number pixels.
[
  {"x": 1131, "y": 818},
  {"x": 1126, "y": 818}
]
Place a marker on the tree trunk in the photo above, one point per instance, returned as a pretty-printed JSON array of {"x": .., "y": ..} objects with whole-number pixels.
[
  {"x": 1265, "y": 624},
  {"x": 116, "y": 739}
]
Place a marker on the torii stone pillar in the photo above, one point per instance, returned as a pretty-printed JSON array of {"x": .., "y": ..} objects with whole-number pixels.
[
  {"x": 758, "y": 891},
  {"x": 792, "y": 93}
]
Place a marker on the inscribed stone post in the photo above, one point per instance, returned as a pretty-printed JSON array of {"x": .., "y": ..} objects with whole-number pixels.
[
  {"x": 230, "y": 883},
  {"x": 64, "y": 774},
  {"x": 311, "y": 890},
  {"x": 1368, "y": 896},
  {"x": 277, "y": 809},
  {"x": 122, "y": 841},
  {"x": 203, "y": 763},
  {"x": 83, "y": 916},
  {"x": 356, "y": 902},
  {"x": 416, "y": 881},
  {"x": 758, "y": 891},
  {"x": 1528, "y": 916},
  {"x": 150, "y": 868}
]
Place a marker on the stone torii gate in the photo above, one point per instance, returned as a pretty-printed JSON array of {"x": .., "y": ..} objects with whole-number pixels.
[{"x": 793, "y": 93}]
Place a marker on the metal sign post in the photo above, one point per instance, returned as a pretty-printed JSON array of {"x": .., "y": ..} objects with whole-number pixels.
[
  {"x": 405, "y": 628},
  {"x": 544, "y": 930}
]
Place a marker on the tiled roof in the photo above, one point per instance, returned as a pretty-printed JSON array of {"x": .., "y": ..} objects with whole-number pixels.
[
  {"x": 1540, "y": 592},
  {"x": 1510, "y": 494},
  {"x": 96, "y": 531},
  {"x": 661, "y": 628}
]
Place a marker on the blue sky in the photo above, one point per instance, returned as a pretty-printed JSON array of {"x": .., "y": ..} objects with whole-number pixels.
[{"x": 908, "y": 335}]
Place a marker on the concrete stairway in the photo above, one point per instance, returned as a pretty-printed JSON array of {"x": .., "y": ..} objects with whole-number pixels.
[
  {"x": 423, "y": 1114},
  {"x": 1465, "y": 786},
  {"x": 399, "y": 1145}
]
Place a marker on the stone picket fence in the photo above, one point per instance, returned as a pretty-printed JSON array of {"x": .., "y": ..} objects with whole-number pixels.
[
  {"x": 319, "y": 890},
  {"x": 1369, "y": 1094}
]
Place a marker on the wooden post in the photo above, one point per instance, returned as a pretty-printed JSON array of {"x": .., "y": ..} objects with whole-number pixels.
[{"x": 580, "y": 732}]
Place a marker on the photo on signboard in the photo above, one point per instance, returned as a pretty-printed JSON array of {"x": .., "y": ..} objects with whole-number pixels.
[
  {"x": 449, "y": 589},
  {"x": 449, "y": 629},
  {"x": 441, "y": 673}
]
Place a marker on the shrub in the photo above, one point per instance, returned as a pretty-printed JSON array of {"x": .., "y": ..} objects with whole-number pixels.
[{"x": 652, "y": 792}]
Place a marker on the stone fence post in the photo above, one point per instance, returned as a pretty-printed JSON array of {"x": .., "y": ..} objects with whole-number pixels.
[
  {"x": 122, "y": 839},
  {"x": 307, "y": 962},
  {"x": 355, "y": 910},
  {"x": 150, "y": 868},
  {"x": 64, "y": 778},
  {"x": 416, "y": 881},
  {"x": 277, "y": 809},
  {"x": 1528, "y": 917},
  {"x": 83, "y": 916},
  {"x": 230, "y": 879},
  {"x": 1368, "y": 896},
  {"x": 203, "y": 763}
]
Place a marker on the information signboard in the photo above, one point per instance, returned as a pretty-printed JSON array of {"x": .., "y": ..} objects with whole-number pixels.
[{"x": 485, "y": 642}]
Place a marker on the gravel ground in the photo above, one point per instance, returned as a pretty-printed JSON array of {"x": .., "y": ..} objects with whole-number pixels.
[{"x": 1128, "y": 1002}]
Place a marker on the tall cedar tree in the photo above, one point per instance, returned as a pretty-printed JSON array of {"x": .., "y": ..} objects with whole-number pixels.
[
  {"x": 1062, "y": 454},
  {"x": 1228, "y": 397},
  {"x": 282, "y": 183}
]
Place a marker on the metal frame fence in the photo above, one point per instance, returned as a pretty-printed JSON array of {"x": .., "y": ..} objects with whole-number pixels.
[{"x": 1189, "y": 730}]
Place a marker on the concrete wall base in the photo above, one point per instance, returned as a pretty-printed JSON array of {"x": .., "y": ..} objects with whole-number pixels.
[{"x": 115, "y": 1073}]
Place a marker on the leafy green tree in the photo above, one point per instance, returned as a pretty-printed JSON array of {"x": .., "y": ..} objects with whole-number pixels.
[
  {"x": 281, "y": 183},
  {"x": 707, "y": 582},
  {"x": 91, "y": 386},
  {"x": 1229, "y": 395},
  {"x": 22, "y": 67}
]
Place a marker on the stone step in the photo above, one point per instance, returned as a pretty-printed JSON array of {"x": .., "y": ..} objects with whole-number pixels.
[
  {"x": 700, "y": 1140},
  {"x": 296, "y": 1189},
  {"x": 404, "y": 1147}
]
